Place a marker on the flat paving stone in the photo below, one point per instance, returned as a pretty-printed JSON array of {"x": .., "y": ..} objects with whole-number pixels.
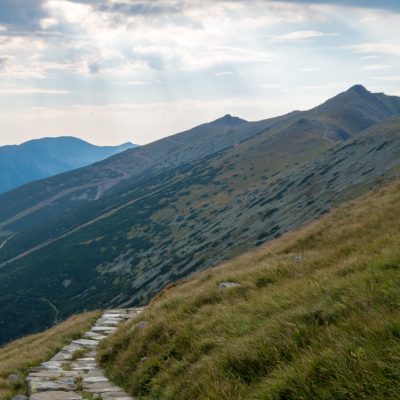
[
  {"x": 94, "y": 335},
  {"x": 117, "y": 311},
  {"x": 53, "y": 365},
  {"x": 104, "y": 329},
  {"x": 94, "y": 379},
  {"x": 109, "y": 322},
  {"x": 116, "y": 396},
  {"x": 55, "y": 395},
  {"x": 46, "y": 374},
  {"x": 62, "y": 357},
  {"x": 65, "y": 385},
  {"x": 100, "y": 387},
  {"x": 86, "y": 342},
  {"x": 84, "y": 361}
]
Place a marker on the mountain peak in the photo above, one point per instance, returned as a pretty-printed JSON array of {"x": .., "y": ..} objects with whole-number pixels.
[
  {"x": 230, "y": 120},
  {"x": 357, "y": 109},
  {"x": 359, "y": 89},
  {"x": 357, "y": 95}
]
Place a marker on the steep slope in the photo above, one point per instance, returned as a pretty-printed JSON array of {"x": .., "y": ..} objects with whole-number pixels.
[
  {"x": 46, "y": 157},
  {"x": 146, "y": 231},
  {"x": 338, "y": 119},
  {"x": 93, "y": 182},
  {"x": 313, "y": 315}
]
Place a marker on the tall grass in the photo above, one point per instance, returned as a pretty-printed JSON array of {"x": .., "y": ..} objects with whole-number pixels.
[
  {"x": 18, "y": 356},
  {"x": 325, "y": 325}
]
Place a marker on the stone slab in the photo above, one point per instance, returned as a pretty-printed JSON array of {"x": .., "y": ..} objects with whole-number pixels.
[
  {"x": 86, "y": 342},
  {"x": 55, "y": 395}
]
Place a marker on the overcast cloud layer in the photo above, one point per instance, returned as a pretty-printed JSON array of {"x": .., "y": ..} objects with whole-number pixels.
[{"x": 110, "y": 71}]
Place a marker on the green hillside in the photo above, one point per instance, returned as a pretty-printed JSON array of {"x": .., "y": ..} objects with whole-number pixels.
[
  {"x": 314, "y": 315},
  {"x": 117, "y": 232}
]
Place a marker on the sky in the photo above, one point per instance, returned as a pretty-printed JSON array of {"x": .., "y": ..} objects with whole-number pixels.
[{"x": 112, "y": 71}]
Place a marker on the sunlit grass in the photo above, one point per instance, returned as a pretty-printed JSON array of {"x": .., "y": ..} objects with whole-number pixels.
[{"x": 325, "y": 325}]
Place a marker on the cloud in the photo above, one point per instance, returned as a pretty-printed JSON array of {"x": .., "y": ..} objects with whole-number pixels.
[
  {"x": 46, "y": 23},
  {"x": 391, "y": 78},
  {"x": 3, "y": 62},
  {"x": 271, "y": 85},
  {"x": 21, "y": 15},
  {"x": 381, "y": 4},
  {"x": 94, "y": 67},
  {"x": 223, "y": 73},
  {"x": 300, "y": 36},
  {"x": 176, "y": 5},
  {"x": 12, "y": 70},
  {"x": 143, "y": 8},
  {"x": 32, "y": 91},
  {"x": 376, "y": 47},
  {"x": 310, "y": 69},
  {"x": 328, "y": 86},
  {"x": 115, "y": 51},
  {"x": 137, "y": 83},
  {"x": 136, "y": 7},
  {"x": 369, "y": 57},
  {"x": 376, "y": 66}
]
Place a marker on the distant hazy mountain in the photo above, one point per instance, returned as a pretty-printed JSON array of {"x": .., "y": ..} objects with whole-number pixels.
[{"x": 41, "y": 158}]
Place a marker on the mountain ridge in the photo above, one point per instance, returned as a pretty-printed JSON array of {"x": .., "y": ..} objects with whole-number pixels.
[{"x": 163, "y": 219}]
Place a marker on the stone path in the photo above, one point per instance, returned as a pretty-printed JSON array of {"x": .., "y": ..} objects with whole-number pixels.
[{"x": 72, "y": 374}]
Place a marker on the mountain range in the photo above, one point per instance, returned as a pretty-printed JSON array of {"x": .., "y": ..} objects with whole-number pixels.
[
  {"x": 41, "y": 158},
  {"x": 118, "y": 231}
]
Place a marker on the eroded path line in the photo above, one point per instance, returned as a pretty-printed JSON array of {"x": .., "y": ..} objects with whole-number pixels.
[{"x": 72, "y": 374}]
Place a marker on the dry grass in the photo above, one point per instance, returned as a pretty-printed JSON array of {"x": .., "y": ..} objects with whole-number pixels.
[
  {"x": 323, "y": 327},
  {"x": 18, "y": 356}
]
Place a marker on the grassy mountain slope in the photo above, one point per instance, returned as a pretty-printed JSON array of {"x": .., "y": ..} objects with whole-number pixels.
[
  {"x": 316, "y": 316},
  {"x": 339, "y": 118},
  {"x": 81, "y": 187},
  {"x": 147, "y": 231},
  {"x": 41, "y": 158},
  {"x": 18, "y": 356}
]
